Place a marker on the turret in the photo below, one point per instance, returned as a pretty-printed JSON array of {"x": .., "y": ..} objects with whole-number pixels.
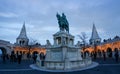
[
  {"x": 22, "y": 39},
  {"x": 95, "y": 39}
]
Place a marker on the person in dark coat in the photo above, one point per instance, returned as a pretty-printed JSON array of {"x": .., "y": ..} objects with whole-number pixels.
[
  {"x": 95, "y": 55},
  {"x": 104, "y": 55},
  {"x": 19, "y": 57},
  {"x": 4, "y": 56},
  {"x": 34, "y": 57},
  {"x": 116, "y": 56}
]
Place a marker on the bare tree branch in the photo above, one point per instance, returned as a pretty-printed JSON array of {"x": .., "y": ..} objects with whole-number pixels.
[
  {"x": 83, "y": 37},
  {"x": 33, "y": 42}
]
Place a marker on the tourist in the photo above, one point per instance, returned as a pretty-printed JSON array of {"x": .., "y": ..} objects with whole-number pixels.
[
  {"x": 7, "y": 56},
  {"x": 4, "y": 56},
  {"x": 91, "y": 54},
  {"x": 34, "y": 57},
  {"x": 104, "y": 55},
  {"x": 42, "y": 58},
  {"x": 28, "y": 55},
  {"x": 19, "y": 57},
  {"x": 99, "y": 53},
  {"x": 12, "y": 57},
  {"x": 82, "y": 54},
  {"x": 116, "y": 55},
  {"x": 95, "y": 55}
]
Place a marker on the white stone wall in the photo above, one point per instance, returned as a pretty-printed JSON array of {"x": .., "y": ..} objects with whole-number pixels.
[{"x": 68, "y": 64}]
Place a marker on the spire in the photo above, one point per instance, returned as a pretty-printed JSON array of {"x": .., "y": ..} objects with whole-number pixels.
[
  {"x": 23, "y": 32},
  {"x": 94, "y": 37},
  {"x": 94, "y": 33}
]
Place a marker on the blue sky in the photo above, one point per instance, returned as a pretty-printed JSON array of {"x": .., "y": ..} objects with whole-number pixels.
[{"x": 41, "y": 21}]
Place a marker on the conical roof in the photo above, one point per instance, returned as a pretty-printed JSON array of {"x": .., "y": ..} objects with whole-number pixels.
[
  {"x": 94, "y": 33},
  {"x": 23, "y": 34}
]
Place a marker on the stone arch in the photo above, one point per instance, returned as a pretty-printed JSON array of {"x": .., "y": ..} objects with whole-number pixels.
[
  {"x": 6, "y": 47},
  {"x": 35, "y": 52},
  {"x": 99, "y": 50},
  {"x": 86, "y": 53},
  {"x": 116, "y": 49},
  {"x": 4, "y": 51},
  {"x": 109, "y": 52},
  {"x": 3, "y": 55}
]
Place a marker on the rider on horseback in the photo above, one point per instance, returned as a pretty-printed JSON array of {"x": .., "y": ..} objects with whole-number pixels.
[{"x": 63, "y": 23}]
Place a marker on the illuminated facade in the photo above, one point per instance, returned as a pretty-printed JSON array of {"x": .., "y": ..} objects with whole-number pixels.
[
  {"x": 22, "y": 45},
  {"x": 109, "y": 45}
]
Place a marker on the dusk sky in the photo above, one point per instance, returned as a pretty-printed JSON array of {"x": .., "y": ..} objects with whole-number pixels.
[{"x": 41, "y": 21}]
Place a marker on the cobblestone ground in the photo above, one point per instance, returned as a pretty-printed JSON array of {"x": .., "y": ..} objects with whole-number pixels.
[{"x": 106, "y": 67}]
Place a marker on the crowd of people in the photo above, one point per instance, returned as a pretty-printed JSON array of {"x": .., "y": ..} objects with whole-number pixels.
[
  {"x": 12, "y": 57},
  {"x": 18, "y": 57},
  {"x": 102, "y": 54}
]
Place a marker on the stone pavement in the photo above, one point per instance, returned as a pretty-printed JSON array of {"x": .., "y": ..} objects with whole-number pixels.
[
  {"x": 94, "y": 64},
  {"x": 106, "y": 67}
]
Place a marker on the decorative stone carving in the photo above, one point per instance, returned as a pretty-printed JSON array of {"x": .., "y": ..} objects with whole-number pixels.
[
  {"x": 78, "y": 43},
  {"x": 48, "y": 43}
]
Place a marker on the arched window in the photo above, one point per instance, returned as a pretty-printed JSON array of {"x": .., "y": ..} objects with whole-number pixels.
[
  {"x": 23, "y": 42},
  {"x": 0, "y": 51},
  {"x": 109, "y": 52}
]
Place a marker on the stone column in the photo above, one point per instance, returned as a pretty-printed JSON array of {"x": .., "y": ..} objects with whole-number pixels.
[
  {"x": 66, "y": 64},
  {"x": 73, "y": 42},
  {"x": 48, "y": 55},
  {"x": 55, "y": 41},
  {"x": 68, "y": 41},
  {"x": 79, "y": 54},
  {"x": 63, "y": 41},
  {"x": 64, "y": 52}
]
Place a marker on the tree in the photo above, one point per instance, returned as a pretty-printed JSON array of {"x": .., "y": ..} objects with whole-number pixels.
[
  {"x": 83, "y": 38},
  {"x": 31, "y": 44},
  {"x": 34, "y": 42}
]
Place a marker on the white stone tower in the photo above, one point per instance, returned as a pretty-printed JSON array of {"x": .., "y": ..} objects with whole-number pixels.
[
  {"x": 95, "y": 39},
  {"x": 22, "y": 39}
]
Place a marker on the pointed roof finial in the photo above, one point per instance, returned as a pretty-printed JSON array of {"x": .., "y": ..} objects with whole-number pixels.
[
  {"x": 24, "y": 23},
  {"x": 94, "y": 33},
  {"x": 23, "y": 32},
  {"x": 93, "y": 23}
]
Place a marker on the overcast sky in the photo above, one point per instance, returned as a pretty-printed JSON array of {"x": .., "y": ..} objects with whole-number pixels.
[{"x": 41, "y": 21}]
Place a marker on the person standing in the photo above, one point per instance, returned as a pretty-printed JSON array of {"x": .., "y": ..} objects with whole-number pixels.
[
  {"x": 95, "y": 55},
  {"x": 34, "y": 57},
  {"x": 42, "y": 58},
  {"x": 19, "y": 57},
  {"x": 4, "y": 56},
  {"x": 104, "y": 55},
  {"x": 116, "y": 55}
]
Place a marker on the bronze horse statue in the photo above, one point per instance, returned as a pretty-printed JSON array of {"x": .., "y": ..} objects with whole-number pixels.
[{"x": 63, "y": 23}]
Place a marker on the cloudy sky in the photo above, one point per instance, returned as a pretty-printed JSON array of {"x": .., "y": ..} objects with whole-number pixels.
[{"x": 41, "y": 21}]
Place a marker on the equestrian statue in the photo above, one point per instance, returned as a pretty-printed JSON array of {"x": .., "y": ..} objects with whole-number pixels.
[{"x": 63, "y": 23}]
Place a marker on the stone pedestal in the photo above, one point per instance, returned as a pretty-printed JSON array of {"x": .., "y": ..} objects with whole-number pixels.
[{"x": 63, "y": 54}]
